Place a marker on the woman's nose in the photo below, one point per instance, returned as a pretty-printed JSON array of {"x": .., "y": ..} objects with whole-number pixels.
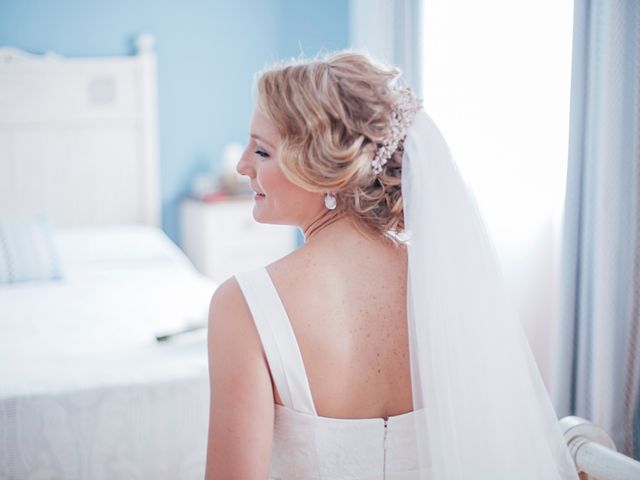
[{"x": 244, "y": 166}]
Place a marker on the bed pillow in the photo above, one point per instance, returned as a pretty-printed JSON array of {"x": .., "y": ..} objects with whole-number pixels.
[
  {"x": 28, "y": 251},
  {"x": 130, "y": 245}
]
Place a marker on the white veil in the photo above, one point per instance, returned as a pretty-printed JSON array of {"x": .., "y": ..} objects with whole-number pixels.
[{"x": 487, "y": 412}]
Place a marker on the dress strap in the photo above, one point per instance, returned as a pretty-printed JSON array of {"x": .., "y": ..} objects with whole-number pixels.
[{"x": 278, "y": 339}]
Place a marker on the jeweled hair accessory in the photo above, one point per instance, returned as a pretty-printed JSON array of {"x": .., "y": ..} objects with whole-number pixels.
[{"x": 402, "y": 114}]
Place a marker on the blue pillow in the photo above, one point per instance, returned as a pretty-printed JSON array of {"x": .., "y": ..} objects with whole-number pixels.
[{"x": 28, "y": 251}]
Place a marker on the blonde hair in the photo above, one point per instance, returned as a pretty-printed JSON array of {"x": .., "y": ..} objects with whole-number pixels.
[{"x": 332, "y": 113}]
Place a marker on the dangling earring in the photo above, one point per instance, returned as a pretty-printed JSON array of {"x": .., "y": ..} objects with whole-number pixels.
[{"x": 329, "y": 200}]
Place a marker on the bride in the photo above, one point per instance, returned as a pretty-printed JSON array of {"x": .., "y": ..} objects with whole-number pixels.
[{"x": 383, "y": 348}]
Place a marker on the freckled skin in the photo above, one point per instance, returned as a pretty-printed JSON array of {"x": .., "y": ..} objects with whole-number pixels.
[{"x": 345, "y": 294}]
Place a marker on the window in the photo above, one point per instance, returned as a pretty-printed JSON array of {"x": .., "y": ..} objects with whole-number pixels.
[{"x": 496, "y": 81}]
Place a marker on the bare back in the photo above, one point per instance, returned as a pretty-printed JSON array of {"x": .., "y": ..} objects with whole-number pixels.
[{"x": 347, "y": 306}]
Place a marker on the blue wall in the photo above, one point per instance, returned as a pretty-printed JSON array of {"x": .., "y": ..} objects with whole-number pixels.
[{"x": 207, "y": 54}]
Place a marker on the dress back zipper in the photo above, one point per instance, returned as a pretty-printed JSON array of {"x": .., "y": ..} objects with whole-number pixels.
[{"x": 384, "y": 449}]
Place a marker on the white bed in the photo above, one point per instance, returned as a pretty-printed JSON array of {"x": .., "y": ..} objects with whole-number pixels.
[{"x": 86, "y": 391}]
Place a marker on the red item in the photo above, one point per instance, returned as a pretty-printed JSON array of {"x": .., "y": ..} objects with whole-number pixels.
[{"x": 217, "y": 196}]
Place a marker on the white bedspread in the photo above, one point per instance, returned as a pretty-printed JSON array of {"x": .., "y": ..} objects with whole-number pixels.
[{"x": 85, "y": 390}]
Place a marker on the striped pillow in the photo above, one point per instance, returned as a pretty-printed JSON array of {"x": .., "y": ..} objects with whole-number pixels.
[{"x": 27, "y": 251}]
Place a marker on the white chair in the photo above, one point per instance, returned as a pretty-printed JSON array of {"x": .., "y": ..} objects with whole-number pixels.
[{"x": 594, "y": 453}]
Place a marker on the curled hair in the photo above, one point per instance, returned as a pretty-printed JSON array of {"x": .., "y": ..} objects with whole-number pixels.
[{"x": 332, "y": 114}]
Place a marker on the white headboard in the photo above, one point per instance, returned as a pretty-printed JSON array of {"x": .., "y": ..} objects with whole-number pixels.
[{"x": 78, "y": 137}]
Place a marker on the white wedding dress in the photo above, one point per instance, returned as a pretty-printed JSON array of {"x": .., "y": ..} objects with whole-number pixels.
[{"x": 309, "y": 446}]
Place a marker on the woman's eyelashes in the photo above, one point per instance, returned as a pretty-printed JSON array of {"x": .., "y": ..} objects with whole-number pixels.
[{"x": 262, "y": 153}]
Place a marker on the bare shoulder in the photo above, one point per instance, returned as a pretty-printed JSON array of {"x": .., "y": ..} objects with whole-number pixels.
[
  {"x": 229, "y": 315},
  {"x": 228, "y": 302},
  {"x": 241, "y": 395},
  {"x": 228, "y": 291}
]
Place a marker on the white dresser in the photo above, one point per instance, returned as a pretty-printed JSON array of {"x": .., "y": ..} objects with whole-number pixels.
[{"x": 222, "y": 238}]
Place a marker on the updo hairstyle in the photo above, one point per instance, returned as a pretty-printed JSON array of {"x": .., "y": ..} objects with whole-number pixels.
[{"x": 332, "y": 113}]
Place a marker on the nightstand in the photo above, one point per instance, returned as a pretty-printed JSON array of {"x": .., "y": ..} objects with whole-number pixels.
[{"x": 222, "y": 238}]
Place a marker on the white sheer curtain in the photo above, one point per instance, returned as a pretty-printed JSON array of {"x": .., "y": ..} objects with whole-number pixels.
[
  {"x": 391, "y": 31},
  {"x": 496, "y": 79}
]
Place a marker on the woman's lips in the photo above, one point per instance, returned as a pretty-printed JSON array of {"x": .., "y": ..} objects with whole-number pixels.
[{"x": 257, "y": 195}]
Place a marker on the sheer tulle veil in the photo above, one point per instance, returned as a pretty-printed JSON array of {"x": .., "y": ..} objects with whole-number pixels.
[{"x": 487, "y": 413}]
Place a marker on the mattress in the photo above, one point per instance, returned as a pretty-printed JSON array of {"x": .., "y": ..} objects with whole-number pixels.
[{"x": 86, "y": 391}]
